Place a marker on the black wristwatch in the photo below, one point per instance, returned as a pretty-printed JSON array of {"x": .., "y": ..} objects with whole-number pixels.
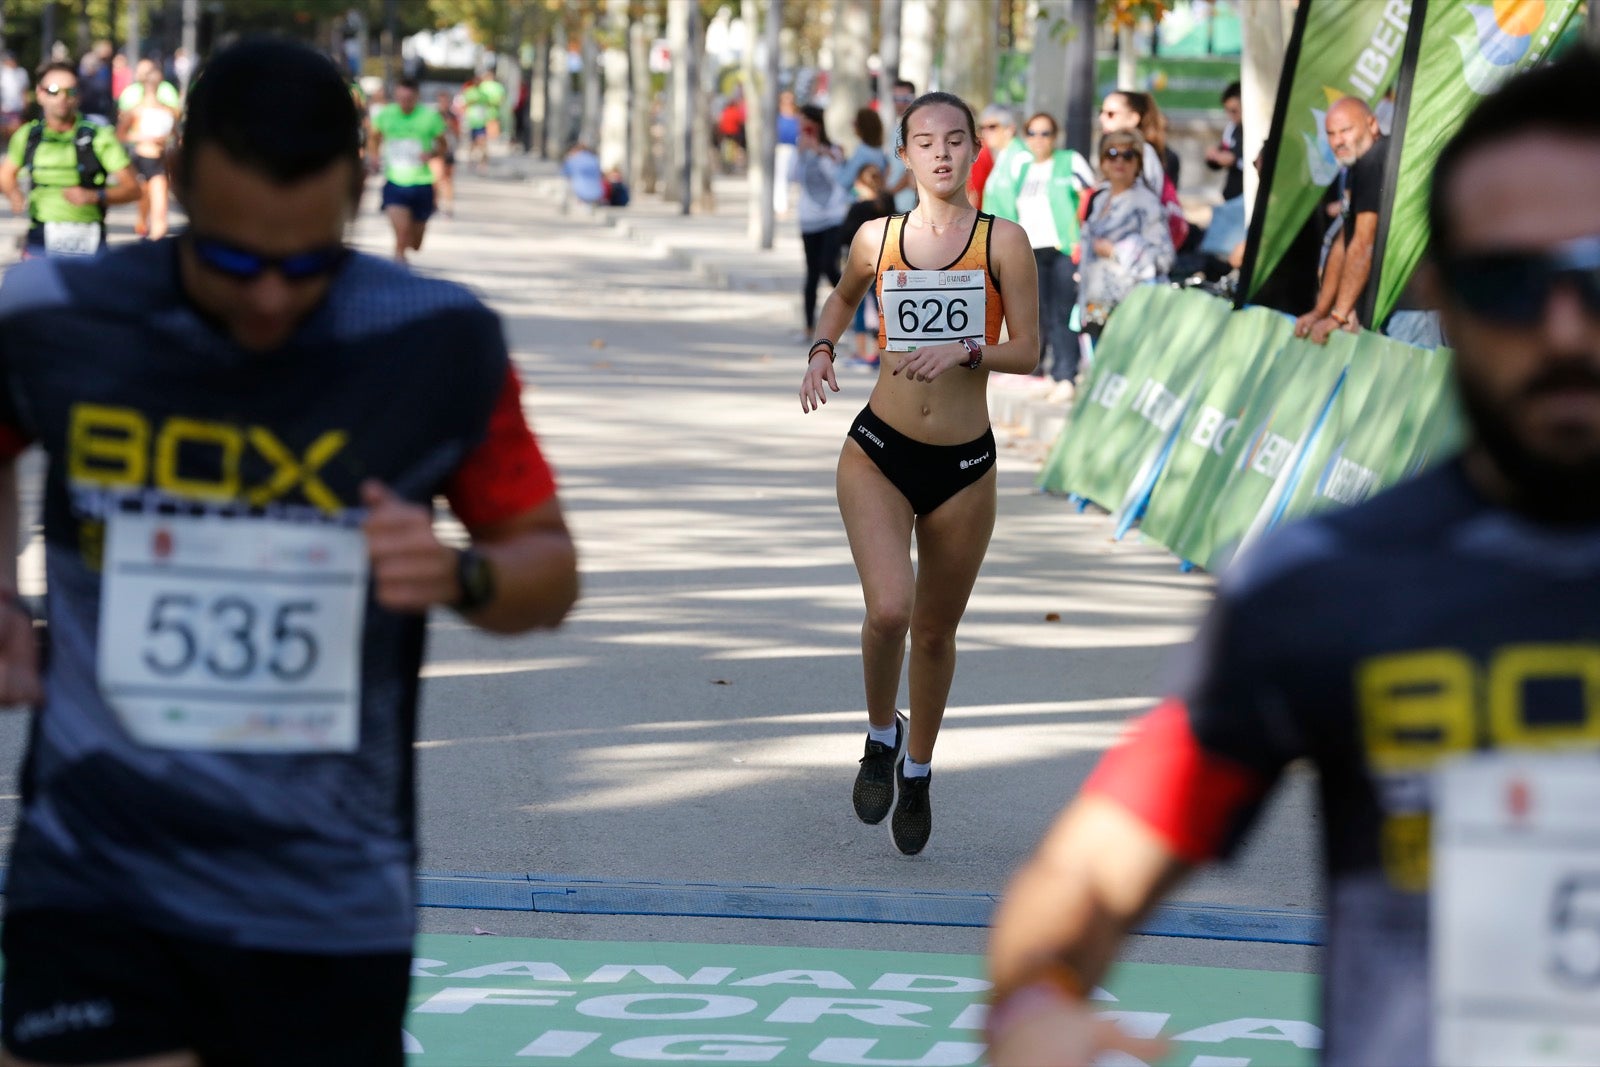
[
  {"x": 475, "y": 576},
  {"x": 101, "y": 196}
]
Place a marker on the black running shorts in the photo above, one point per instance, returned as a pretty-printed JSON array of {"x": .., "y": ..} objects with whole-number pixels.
[{"x": 82, "y": 988}]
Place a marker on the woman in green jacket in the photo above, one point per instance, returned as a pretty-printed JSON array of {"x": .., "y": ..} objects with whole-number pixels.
[{"x": 1047, "y": 195}]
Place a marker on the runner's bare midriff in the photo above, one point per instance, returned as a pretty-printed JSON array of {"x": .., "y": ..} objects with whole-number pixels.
[{"x": 950, "y": 410}]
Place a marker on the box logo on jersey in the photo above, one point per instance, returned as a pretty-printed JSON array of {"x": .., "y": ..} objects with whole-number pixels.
[{"x": 121, "y": 448}]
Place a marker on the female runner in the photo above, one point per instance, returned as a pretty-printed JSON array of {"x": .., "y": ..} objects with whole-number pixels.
[
  {"x": 920, "y": 456},
  {"x": 149, "y": 125}
]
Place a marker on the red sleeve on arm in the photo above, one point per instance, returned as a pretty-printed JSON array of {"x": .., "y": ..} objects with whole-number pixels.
[
  {"x": 506, "y": 474},
  {"x": 12, "y": 442},
  {"x": 1190, "y": 797}
]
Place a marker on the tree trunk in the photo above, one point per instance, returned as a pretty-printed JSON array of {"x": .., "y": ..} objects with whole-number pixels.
[
  {"x": 1127, "y": 60},
  {"x": 680, "y": 102},
  {"x": 889, "y": 64},
  {"x": 48, "y": 25},
  {"x": 642, "y": 171},
  {"x": 539, "y": 95},
  {"x": 589, "y": 128},
  {"x": 191, "y": 41},
  {"x": 753, "y": 79},
  {"x": 848, "y": 89},
  {"x": 614, "y": 107},
  {"x": 917, "y": 32},
  {"x": 769, "y": 69},
  {"x": 705, "y": 76},
  {"x": 1266, "y": 28},
  {"x": 1082, "y": 130},
  {"x": 558, "y": 126},
  {"x": 1047, "y": 63},
  {"x": 135, "y": 43},
  {"x": 969, "y": 64}
]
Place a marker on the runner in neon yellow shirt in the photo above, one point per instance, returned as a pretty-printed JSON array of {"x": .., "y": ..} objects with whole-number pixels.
[
  {"x": 475, "y": 113},
  {"x": 76, "y": 170},
  {"x": 494, "y": 99},
  {"x": 405, "y": 136}
]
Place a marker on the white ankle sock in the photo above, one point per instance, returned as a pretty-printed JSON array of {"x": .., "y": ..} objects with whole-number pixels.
[
  {"x": 887, "y": 736},
  {"x": 917, "y": 770}
]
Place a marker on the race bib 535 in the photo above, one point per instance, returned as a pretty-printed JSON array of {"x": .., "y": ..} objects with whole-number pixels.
[{"x": 233, "y": 634}]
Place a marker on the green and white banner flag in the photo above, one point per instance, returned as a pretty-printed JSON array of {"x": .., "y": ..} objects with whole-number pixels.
[
  {"x": 1432, "y": 427},
  {"x": 1151, "y": 353},
  {"x": 1465, "y": 51},
  {"x": 1198, "y": 467},
  {"x": 1351, "y": 455},
  {"x": 1275, "y": 429},
  {"x": 1341, "y": 48}
]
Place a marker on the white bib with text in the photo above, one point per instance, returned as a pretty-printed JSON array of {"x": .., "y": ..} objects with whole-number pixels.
[
  {"x": 1515, "y": 923},
  {"x": 72, "y": 238},
  {"x": 929, "y": 307},
  {"x": 400, "y": 153},
  {"x": 233, "y": 634}
]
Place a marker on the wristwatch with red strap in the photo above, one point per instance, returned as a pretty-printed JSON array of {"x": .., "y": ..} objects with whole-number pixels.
[{"x": 975, "y": 350}]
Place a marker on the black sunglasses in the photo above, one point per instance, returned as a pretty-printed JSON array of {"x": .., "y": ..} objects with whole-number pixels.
[
  {"x": 243, "y": 265},
  {"x": 1513, "y": 288},
  {"x": 1041, "y": 133},
  {"x": 1119, "y": 153},
  {"x": 59, "y": 90}
]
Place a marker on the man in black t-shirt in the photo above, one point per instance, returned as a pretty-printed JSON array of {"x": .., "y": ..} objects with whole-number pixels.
[
  {"x": 1359, "y": 146},
  {"x": 1453, "y": 617},
  {"x": 244, "y": 431}
]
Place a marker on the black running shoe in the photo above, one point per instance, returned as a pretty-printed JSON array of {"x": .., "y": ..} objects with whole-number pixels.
[
  {"x": 913, "y": 816},
  {"x": 873, "y": 795}
]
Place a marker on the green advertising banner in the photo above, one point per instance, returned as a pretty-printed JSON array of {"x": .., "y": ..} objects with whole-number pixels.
[
  {"x": 1345, "y": 464},
  {"x": 493, "y": 1001},
  {"x": 1197, "y": 468},
  {"x": 1151, "y": 353},
  {"x": 1342, "y": 48},
  {"x": 1432, "y": 427},
  {"x": 1465, "y": 51},
  {"x": 1119, "y": 352},
  {"x": 1289, "y": 399}
]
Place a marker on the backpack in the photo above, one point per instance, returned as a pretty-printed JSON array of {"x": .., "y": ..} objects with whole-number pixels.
[
  {"x": 1177, "y": 225},
  {"x": 91, "y": 172}
]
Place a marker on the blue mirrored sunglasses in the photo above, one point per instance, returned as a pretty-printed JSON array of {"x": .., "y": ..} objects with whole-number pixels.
[
  {"x": 1514, "y": 287},
  {"x": 243, "y": 265}
]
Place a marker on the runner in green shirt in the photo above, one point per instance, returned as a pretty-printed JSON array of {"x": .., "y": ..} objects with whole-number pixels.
[
  {"x": 475, "y": 113},
  {"x": 76, "y": 170},
  {"x": 494, "y": 99},
  {"x": 405, "y": 136}
]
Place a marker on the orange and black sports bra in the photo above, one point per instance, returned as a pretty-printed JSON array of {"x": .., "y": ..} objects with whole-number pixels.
[{"x": 975, "y": 256}]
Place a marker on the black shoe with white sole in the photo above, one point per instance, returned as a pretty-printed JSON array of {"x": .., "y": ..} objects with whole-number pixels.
[
  {"x": 873, "y": 794},
  {"x": 913, "y": 815}
]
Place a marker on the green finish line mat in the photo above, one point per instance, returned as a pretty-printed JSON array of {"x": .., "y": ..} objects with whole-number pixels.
[{"x": 492, "y": 1001}]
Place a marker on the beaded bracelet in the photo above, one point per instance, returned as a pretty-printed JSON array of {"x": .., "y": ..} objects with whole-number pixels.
[{"x": 833, "y": 354}]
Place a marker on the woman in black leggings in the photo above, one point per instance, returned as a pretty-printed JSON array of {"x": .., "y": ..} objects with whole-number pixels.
[{"x": 823, "y": 204}]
